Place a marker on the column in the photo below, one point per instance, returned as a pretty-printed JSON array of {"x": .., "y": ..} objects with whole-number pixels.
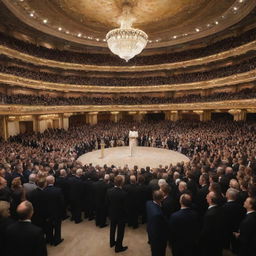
[
  {"x": 35, "y": 123},
  {"x": 3, "y": 127},
  {"x": 140, "y": 116},
  {"x": 115, "y": 116},
  {"x": 172, "y": 115},
  {"x": 238, "y": 114},
  {"x": 13, "y": 127},
  {"x": 65, "y": 120},
  {"x": 93, "y": 118}
]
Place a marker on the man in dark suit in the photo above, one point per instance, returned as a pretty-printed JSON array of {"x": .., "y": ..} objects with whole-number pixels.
[
  {"x": 55, "y": 205},
  {"x": 184, "y": 229},
  {"x": 116, "y": 198},
  {"x": 157, "y": 225},
  {"x": 247, "y": 234},
  {"x": 76, "y": 192},
  {"x": 38, "y": 199},
  {"x": 234, "y": 213},
  {"x": 132, "y": 202},
  {"x": 100, "y": 188},
  {"x": 200, "y": 201},
  {"x": 62, "y": 183},
  {"x": 211, "y": 237},
  {"x": 23, "y": 238}
]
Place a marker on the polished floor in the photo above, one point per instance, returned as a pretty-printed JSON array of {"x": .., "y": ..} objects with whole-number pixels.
[
  {"x": 142, "y": 157},
  {"x": 85, "y": 239}
]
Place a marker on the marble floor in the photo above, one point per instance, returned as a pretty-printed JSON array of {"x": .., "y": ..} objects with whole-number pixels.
[
  {"x": 142, "y": 157},
  {"x": 85, "y": 239}
]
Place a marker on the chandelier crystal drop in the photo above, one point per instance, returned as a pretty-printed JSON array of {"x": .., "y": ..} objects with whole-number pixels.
[{"x": 126, "y": 42}]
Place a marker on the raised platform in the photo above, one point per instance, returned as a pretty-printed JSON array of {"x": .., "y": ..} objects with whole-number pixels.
[{"x": 143, "y": 156}]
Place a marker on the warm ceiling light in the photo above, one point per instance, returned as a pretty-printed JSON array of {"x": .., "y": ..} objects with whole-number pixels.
[
  {"x": 45, "y": 21},
  {"x": 197, "y": 29},
  {"x": 79, "y": 34},
  {"x": 31, "y": 14},
  {"x": 126, "y": 42},
  {"x": 59, "y": 28}
]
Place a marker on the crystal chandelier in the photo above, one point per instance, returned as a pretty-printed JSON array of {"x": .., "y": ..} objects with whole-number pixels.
[{"x": 126, "y": 42}]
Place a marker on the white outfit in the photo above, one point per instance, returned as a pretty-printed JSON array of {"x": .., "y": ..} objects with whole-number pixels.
[{"x": 133, "y": 135}]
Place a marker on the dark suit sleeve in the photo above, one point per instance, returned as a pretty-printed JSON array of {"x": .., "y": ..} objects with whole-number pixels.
[{"x": 41, "y": 249}]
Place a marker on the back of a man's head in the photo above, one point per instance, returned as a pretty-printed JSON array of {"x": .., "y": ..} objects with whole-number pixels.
[
  {"x": 132, "y": 179},
  {"x": 185, "y": 200},
  {"x": 25, "y": 210},
  {"x": 32, "y": 177},
  {"x": 50, "y": 180},
  {"x": 158, "y": 196},
  {"x": 41, "y": 183},
  {"x": 119, "y": 180}
]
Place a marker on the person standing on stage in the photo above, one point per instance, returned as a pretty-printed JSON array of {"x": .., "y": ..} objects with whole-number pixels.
[{"x": 133, "y": 135}]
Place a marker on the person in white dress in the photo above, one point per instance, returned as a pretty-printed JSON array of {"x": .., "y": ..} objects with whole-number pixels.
[{"x": 133, "y": 135}]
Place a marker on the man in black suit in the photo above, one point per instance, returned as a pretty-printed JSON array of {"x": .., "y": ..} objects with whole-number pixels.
[
  {"x": 234, "y": 213},
  {"x": 247, "y": 234},
  {"x": 184, "y": 229},
  {"x": 157, "y": 225},
  {"x": 76, "y": 192},
  {"x": 62, "y": 183},
  {"x": 132, "y": 202},
  {"x": 38, "y": 199},
  {"x": 211, "y": 237},
  {"x": 100, "y": 188},
  {"x": 55, "y": 205},
  {"x": 116, "y": 198},
  {"x": 200, "y": 201},
  {"x": 23, "y": 238}
]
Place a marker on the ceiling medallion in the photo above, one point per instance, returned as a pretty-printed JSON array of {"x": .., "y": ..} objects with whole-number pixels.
[{"x": 126, "y": 42}]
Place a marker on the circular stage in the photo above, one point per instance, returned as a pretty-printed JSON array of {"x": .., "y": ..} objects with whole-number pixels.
[{"x": 143, "y": 156}]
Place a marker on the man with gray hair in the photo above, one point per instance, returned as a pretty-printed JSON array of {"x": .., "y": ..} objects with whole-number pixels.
[
  {"x": 24, "y": 238},
  {"x": 234, "y": 214},
  {"x": 31, "y": 185}
]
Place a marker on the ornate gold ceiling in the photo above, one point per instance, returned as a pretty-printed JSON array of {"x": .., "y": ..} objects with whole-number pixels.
[{"x": 167, "y": 22}]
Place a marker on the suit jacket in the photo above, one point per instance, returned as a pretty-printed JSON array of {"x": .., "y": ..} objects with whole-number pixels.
[
  {"x": 132, "y": 200},
  {"x": 184, "y": 228},
  {"x": 63, "y": 184},
  {"x": 201, "y": 202},
  {"x": 38, "y": 200},
  {"x": 116, "y": 198},
  {"x": 100, "y": 192},
  {"x": 157, "y": 224},
  {"x": 29, "y": 187},
  {"x": 247, "y": 238},
  {"x": 213, "y": 227},
  {"x": 54, "y": 202},
  {"x": 25, "y": 239}
]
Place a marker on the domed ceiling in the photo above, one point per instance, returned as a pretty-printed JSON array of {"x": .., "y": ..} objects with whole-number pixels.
[{"x": 167, "y": 22}]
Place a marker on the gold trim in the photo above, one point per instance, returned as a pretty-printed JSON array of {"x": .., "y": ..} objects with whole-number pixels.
[
  {"x": 214, "y": 83},
  {"x": 166, "y": 66},
  {"x": 17, "y": 110}
]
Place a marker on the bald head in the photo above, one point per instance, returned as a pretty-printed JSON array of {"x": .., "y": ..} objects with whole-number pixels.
[
  {"x": 32, "y": 177},
  {"x": 25, "y": 210},
  {"x": 63, "y": 173},
  {"x": 132, "y": 179},
  {"x": 50, "y": 180},
  {"x": 79, "y": 172}
]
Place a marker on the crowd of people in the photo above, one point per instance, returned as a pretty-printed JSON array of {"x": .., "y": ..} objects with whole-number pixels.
[
  {"x": 186, "y": 77},
  {"x": 107, "y": 59},
  {"x": 46, "y": 100},
  {"x": 198, "y": 208}
]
